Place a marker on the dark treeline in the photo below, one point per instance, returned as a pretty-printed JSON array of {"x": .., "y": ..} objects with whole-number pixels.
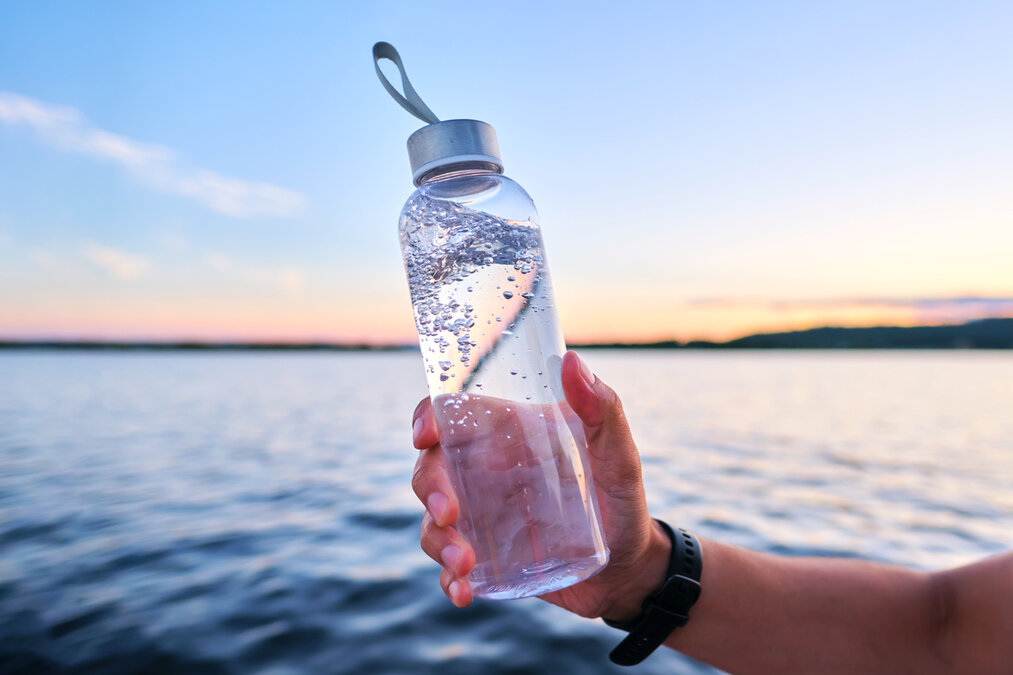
[
  {"x": 198, "y": 346},
  {"x": 982, "y": 334}
]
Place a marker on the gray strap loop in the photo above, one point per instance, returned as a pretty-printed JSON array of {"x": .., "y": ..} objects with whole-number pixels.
[{"x": 411, "y": 100}]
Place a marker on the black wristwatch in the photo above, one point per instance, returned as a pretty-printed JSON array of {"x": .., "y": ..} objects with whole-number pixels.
[{"x": 667, "y": 608}]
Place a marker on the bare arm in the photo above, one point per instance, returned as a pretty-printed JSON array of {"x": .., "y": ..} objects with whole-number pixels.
[
  {"x": 760, "y": 613},
  {"x": 757, "y": 613}
]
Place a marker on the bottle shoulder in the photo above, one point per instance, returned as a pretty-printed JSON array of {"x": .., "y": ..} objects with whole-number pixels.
[{"x": 495, "y": 194}]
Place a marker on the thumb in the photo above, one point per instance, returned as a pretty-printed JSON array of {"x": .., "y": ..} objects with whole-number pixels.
[{"x": 616, "y": 462}]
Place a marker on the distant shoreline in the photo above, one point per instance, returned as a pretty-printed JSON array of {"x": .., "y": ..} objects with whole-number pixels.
[
  {"x": 111, "y": 345},
  {"x": 981, "y": 334}
]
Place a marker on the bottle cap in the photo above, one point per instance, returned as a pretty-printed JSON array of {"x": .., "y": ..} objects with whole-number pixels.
[
  {"x": 452, "y": 142},
  {"x": 439, "y": 143}
]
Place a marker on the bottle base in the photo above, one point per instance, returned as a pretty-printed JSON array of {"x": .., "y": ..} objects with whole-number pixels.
[{"x": 544, "y": 577}]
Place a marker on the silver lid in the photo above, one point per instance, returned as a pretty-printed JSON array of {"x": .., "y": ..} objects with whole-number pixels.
[
  {"x": 452, "y": 142},
  {"x": 440, "y": 143}
]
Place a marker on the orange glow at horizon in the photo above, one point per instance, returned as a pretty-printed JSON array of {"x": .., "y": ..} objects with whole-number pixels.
[{"x": 391, "y": 323}]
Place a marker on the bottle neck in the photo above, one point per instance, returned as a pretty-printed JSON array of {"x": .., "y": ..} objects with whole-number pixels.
[{"x": 459, "y": 170}]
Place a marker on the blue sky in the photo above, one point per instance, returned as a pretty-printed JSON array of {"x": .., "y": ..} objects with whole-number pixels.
[{"x": 234, "y": 170}]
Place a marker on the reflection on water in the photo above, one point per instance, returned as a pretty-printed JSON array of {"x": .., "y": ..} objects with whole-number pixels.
[{"x": 252, "y": 513}]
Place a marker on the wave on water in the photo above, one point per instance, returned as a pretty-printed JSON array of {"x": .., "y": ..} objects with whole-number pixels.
[{"x": 252, "y": 513}]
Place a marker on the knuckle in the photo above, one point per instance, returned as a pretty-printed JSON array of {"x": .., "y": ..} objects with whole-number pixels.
[
  {"x": 419, "y": 478},
  {"x": 627, "y": 489},
  {"x": 612, "y": 399},
  {"x": 426, "y": 530}
]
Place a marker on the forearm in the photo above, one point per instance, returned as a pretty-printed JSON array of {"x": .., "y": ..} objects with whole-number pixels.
[{"x": 766, "y": 614}]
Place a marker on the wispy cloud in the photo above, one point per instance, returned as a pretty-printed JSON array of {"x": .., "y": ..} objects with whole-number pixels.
[
  {"x": 44, "y": 260},
  {"x": 888, "y": 309},
  {"x": 998, "y": 304},
  {"x": 119, "y": 264},
  {"x": 154, "y": 165},
  {"x": 288, "y": 278}
]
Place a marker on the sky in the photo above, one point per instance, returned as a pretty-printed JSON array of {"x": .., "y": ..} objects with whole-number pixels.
[{"x": 234, "y": 171}]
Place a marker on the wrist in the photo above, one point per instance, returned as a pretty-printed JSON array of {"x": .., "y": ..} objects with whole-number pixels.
[
  {"x": 667, "y": 608},
  {"x": 641, "y": 578}
]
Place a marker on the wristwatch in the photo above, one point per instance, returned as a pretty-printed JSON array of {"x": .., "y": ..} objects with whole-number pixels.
[{"x": 667, "y": 608}]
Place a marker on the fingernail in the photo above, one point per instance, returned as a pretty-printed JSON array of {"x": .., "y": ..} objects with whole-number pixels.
[
  {"x": 585, "y": 373},
  {"x": 437, "y": 505},
  {"x": 416, "y": 428},
  {"x": 450, "y": 556}
]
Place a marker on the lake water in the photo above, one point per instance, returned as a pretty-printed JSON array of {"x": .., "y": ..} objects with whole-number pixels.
[{"x": 251, "y": 513}]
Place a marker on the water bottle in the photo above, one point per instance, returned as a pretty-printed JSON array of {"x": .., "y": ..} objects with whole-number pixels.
[{"x": 492, "y": 348}]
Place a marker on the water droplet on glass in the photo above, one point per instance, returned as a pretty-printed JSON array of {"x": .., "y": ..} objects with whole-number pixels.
[
  {"x": 508, "y": 294},
  {"x": 445, "y": 365}
]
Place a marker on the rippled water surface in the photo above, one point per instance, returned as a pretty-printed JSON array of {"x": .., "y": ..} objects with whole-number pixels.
[{"x": 251, "y": 513}]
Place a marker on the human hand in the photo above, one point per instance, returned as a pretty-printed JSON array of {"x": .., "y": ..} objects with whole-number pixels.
[{"x": 639, "y": 548}]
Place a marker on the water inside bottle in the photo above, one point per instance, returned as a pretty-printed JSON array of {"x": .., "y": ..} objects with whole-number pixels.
[{"x": 491, "y": 345}]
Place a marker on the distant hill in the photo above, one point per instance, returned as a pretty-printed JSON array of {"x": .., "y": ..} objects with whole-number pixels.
[
  {"x": 94, "y": 345},
  {"x": 982, "y": 334}
]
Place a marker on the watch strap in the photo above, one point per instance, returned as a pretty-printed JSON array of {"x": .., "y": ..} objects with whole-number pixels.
[{"x": 667, "y": 608}]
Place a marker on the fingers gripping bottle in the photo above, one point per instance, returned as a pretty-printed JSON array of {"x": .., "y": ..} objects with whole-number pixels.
[{"x": 492, "y": 348}]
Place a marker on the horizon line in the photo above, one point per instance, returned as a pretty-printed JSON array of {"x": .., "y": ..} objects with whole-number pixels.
[{"x": 361, "y": 345}]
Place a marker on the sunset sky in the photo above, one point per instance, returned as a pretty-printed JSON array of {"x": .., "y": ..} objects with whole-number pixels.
[{"x": 222, "y": 171}]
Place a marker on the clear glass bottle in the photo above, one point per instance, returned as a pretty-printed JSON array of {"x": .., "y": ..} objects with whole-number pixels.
[{"x": 492, "y": 349}]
